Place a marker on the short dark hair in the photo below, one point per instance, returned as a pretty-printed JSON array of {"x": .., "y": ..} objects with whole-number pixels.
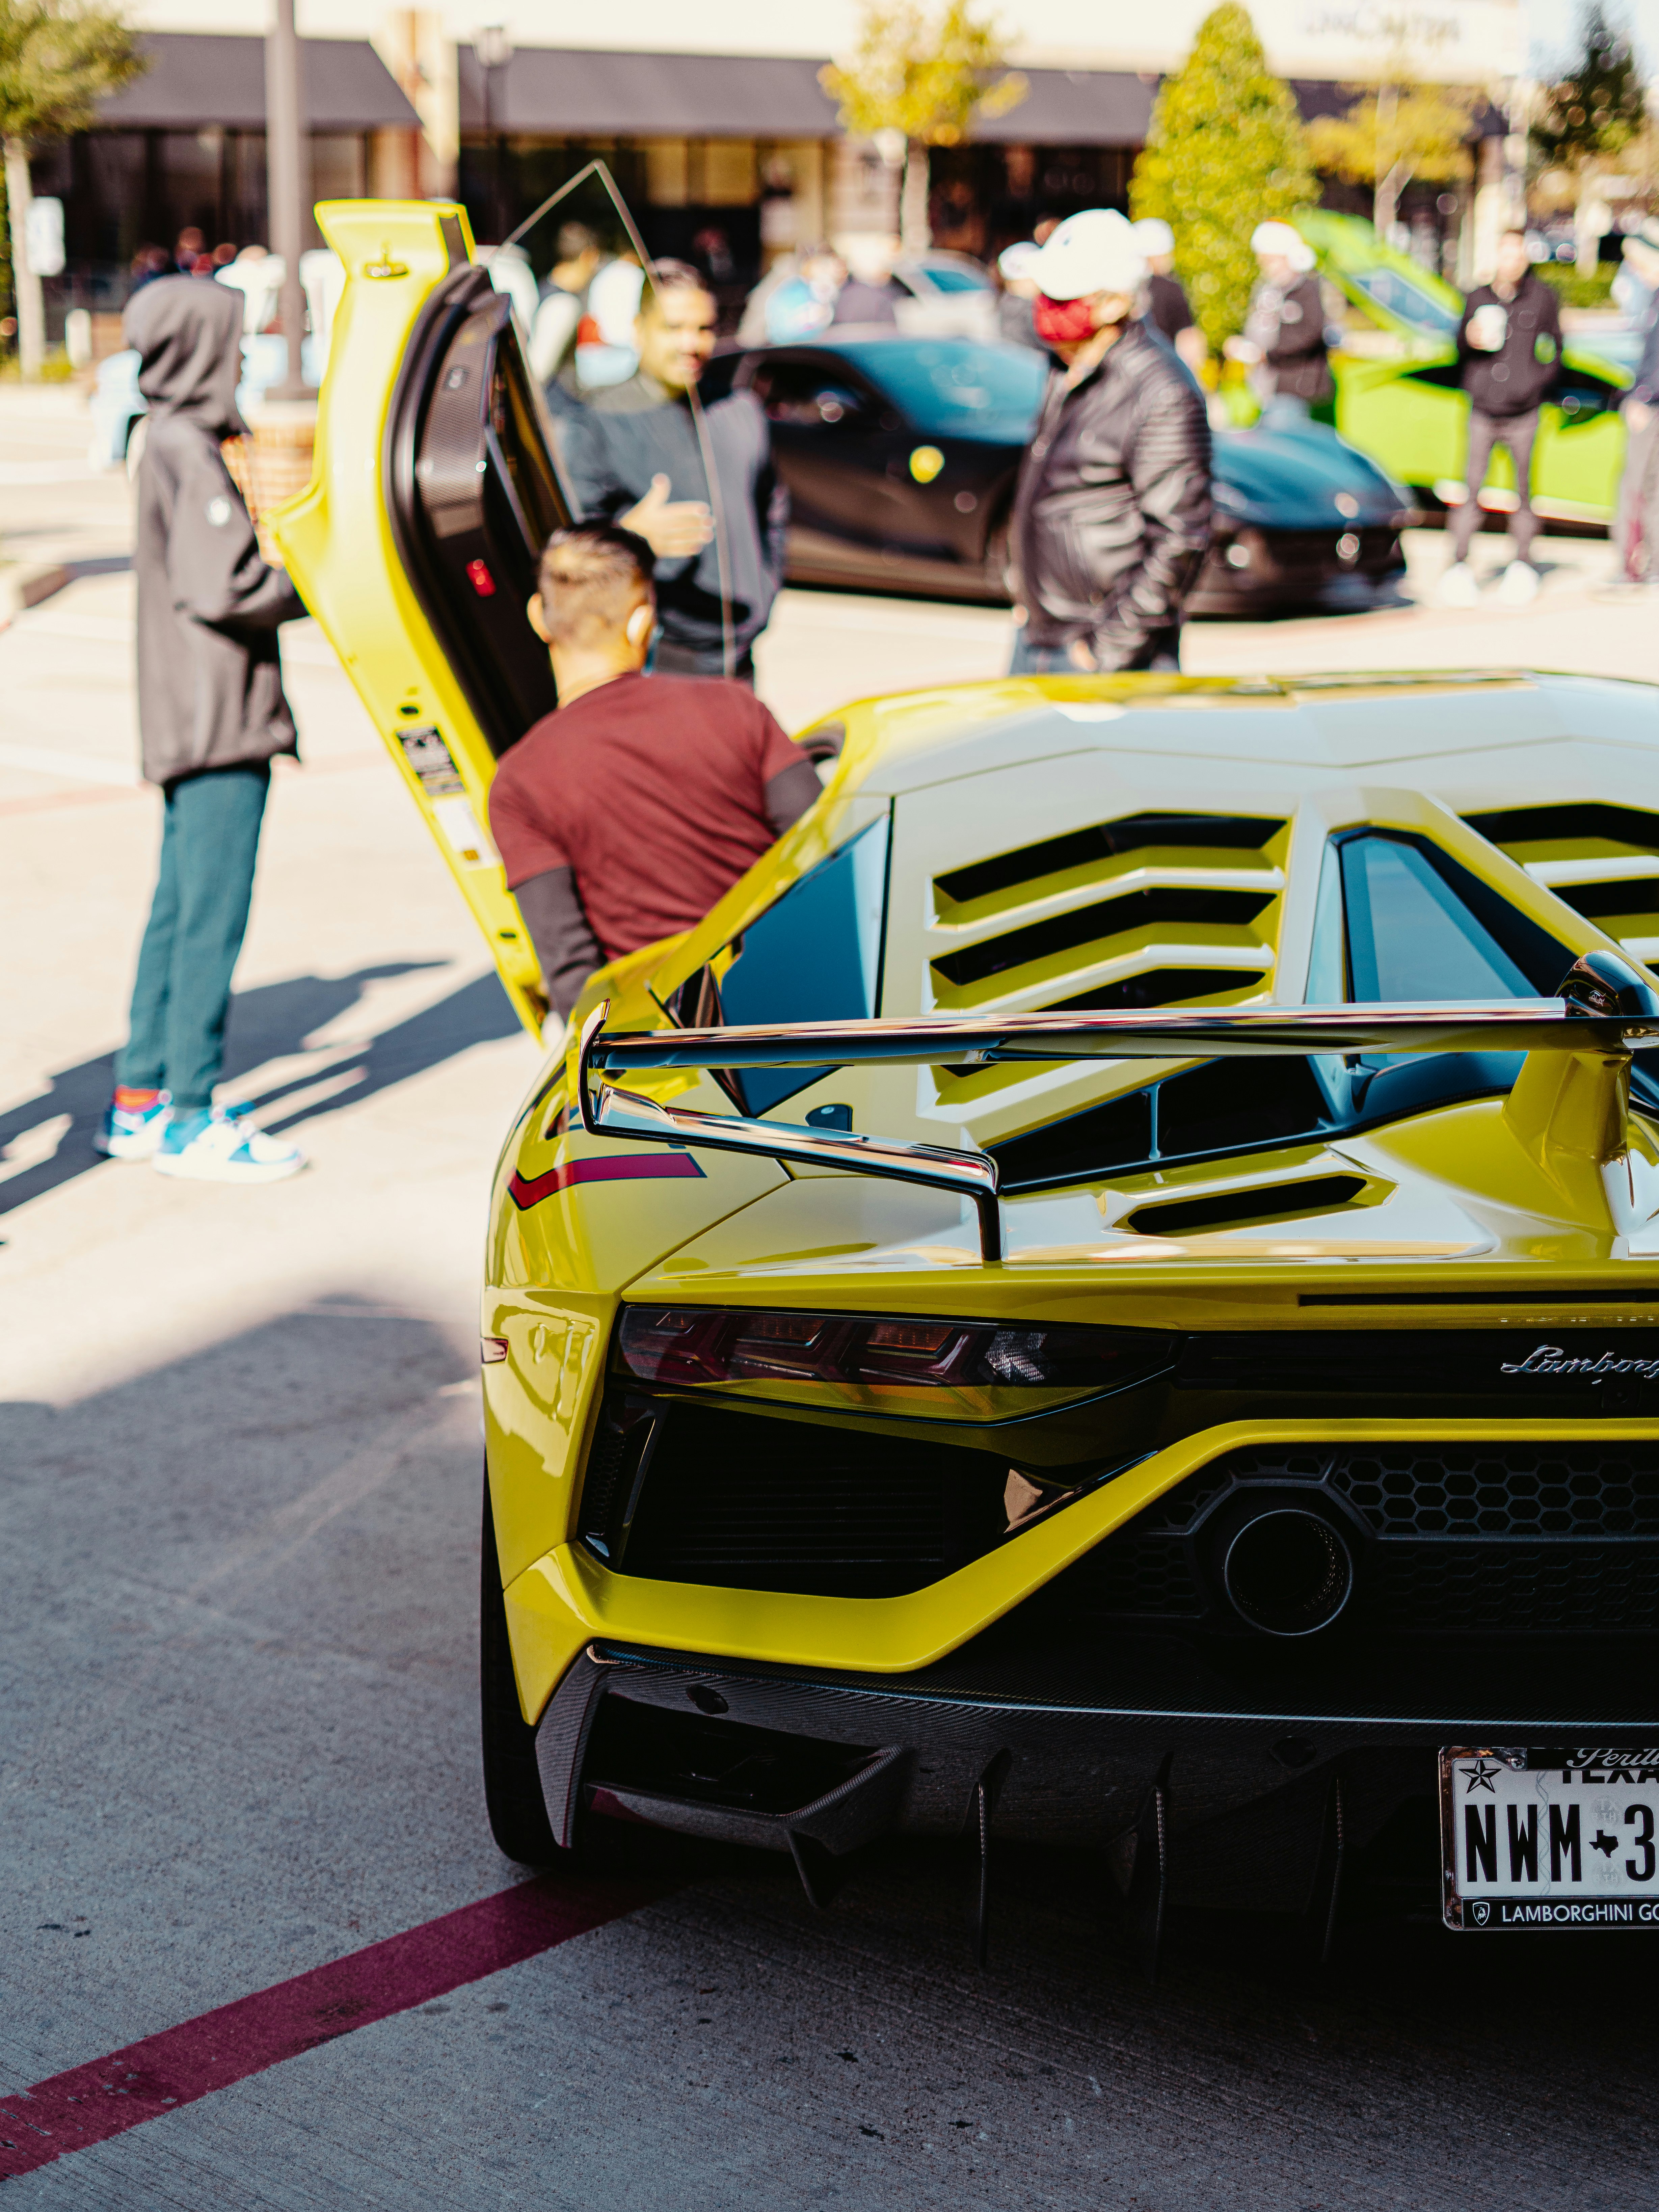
[
  {"x": 590, "y": 578},
  {"x": 574, "y": 240},
  {"x": 672, "y": 277}
]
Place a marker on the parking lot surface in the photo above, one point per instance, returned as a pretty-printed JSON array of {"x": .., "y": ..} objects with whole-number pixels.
[{"x": 239, "y": 1480}]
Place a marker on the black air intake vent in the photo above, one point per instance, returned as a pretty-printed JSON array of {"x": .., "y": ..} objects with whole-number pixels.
[
  {"x": 1225, "y": 1106},
  {"x": 1222, "y": 1209},
  {"x": 697, "y": 1494}
]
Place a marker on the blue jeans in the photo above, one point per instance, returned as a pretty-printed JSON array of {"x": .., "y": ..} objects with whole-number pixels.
[
  {"x": 1162, "y": 653},
  {"x": 181, "y": 996}
]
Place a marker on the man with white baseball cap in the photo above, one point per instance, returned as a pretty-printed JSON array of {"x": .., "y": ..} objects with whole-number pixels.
[
  {"x": 1284, "y": 339},
  {"x": 1168, "y": 309},
  {"x": 1112, "y": 510}
]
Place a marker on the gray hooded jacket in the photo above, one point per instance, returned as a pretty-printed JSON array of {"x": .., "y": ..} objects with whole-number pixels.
[{"x": 210, "y": 679}]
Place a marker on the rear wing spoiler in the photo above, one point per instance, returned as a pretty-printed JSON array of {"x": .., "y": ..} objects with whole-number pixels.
[{"x": 1606, "y": 1007}]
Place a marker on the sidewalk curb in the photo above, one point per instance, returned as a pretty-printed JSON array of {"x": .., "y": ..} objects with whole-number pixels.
[{"x": 24, "y": 584}]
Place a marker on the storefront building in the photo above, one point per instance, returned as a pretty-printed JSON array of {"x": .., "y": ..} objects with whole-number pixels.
[{"x": 728, "y": 155}]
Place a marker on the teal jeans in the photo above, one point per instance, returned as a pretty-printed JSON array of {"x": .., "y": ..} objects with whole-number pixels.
[{"x": 209, "y": 842}]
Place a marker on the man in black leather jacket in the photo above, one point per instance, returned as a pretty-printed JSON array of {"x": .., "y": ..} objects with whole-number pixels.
[{"x": 1112, "y": 511}]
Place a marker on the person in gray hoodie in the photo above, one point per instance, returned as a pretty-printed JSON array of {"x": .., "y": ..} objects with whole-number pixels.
[{"x": 211, "y": 716}]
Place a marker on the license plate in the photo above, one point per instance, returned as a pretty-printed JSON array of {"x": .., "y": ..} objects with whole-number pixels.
[{"x": 1556, "y": 1838}]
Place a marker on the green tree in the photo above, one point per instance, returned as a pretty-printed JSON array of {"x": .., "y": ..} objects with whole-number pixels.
[
  {"x": 57, "y": 59},
  {"x": 915, "y": 80},
  {"x": 1399, "y": 129},
  {"x": 1596, "y": 110},
  {"x": 1225, "y": 151}
]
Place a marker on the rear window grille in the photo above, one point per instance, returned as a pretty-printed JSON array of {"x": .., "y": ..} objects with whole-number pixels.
[{"x": 1105, "y": 840}]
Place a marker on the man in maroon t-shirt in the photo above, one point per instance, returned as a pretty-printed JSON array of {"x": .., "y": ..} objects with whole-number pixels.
[{"x": 624, "y": 815}]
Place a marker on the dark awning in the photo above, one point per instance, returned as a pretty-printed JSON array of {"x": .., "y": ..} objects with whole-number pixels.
[
  {"x": 192, "y": 82},
  {"x": 1075, "y": 108},
  {"x": 578, "y": 93}
]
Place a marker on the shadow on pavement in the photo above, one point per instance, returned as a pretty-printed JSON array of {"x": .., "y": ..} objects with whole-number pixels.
[{"x": 270, "y": 1022}]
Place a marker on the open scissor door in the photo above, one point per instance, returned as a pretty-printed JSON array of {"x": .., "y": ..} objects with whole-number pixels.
[{"x": 434, "y": 488}]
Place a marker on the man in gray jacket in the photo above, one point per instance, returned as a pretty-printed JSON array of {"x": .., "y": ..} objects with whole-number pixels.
[
  {"x": 211, "y": 715},
  {"x": 634, "y": 457}
]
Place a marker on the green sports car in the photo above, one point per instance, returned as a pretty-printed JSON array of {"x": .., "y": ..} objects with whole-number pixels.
[{"x": 1408, "y": 412}]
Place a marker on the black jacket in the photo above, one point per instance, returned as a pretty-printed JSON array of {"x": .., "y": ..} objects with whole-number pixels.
[
  {"x": 1512, "y": 381},
  {"x": 624, "y": 436},
  {"x": 209, "y": 680},
  {"x": 1292, "y": 340},
  {"x": 1112, "y": 510}
]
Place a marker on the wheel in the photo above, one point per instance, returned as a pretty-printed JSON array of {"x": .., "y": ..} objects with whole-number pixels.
[
  {"x": 512, "y": 1782},
  {"x": 998, "y": 553}
]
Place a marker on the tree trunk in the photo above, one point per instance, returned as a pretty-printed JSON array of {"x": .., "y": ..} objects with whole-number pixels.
[
  {"x": 914, "y": 234},
  {"x": 25, "y": 284},
  {"x": 1386, "y": 206}
]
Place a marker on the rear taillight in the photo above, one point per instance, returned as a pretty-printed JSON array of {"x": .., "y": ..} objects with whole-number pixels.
[{"x": 703, "y": 1345}]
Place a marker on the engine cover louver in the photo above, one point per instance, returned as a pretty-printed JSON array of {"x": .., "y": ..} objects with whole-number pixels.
[
  {"x": 1601, "y": 860},
  {"x": 1154, "y": 910}
]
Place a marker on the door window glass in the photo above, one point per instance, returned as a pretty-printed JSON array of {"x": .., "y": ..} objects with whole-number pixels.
[
  {"x": 955, "y": 388},
  {"x": 808, "y": 393},
  {"x": 814, "y": 955}
]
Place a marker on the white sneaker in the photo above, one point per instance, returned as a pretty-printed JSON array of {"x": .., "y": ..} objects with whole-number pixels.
[
  {"x": 222, "y": 1145},
  {"x": 1518, "y": 585},
  {"x": 1457, "y": 587},
  {"x": 131, "y": 1132}
]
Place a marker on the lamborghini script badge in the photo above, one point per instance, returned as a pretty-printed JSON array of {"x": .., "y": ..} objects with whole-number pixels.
[{"x": 1551, "y": 1359}]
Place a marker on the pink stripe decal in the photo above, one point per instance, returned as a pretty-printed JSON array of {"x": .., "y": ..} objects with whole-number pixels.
[
  {"x": 89, "y": 2104},
  {"x": 618, "y": 1167}
]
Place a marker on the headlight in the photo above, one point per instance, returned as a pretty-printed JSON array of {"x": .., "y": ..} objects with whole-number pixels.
[{"x": 822, "y": 1357}]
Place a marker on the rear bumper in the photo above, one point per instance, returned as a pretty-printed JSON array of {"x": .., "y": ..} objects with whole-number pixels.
[{"x": 790, "y": 1758}]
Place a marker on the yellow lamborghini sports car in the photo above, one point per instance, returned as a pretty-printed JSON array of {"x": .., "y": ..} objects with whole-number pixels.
[{"x": 1109, "y": 1292}]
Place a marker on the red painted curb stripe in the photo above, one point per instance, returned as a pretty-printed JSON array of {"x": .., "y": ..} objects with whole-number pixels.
[
  {"x": 89, "y": 2104},
  {"x": 629, "y": 1167}
]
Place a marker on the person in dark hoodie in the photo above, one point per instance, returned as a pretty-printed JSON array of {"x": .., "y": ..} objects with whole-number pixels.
[
  {"x": 211, "y": 716},
  {"x": 634, "y": 457}
]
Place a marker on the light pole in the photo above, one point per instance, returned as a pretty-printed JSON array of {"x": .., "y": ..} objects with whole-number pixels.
[
  {"x": 287, "y": 183},
  {"x": 494, "y": 51}
]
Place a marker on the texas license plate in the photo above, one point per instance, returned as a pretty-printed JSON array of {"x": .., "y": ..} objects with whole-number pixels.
[{"x": 1556, "y": 1838}]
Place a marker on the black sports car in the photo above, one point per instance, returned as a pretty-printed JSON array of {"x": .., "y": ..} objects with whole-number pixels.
[{"x": 901, "y": 453}]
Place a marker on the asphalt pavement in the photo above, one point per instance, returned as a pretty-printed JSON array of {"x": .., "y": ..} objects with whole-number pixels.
[{"x": 239, "y": 1484}]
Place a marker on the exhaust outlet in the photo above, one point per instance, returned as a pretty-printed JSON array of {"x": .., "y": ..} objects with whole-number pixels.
[{"x": 1288, "y": 1572}]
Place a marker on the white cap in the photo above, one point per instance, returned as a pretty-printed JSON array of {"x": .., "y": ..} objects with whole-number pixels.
[
  {"x": 1153, "y": 235},
  {"x": 1282, "y": 238},
  {"x": 1093, "y": 252},
  {"x": 1015, "y": 261}
]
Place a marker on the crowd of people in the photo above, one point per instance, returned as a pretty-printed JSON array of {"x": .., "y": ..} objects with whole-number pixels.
[{"x": 659, "y": 778}]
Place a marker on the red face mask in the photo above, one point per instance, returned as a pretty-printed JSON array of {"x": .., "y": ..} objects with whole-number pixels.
[{"x": 1063, "y": 322}]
